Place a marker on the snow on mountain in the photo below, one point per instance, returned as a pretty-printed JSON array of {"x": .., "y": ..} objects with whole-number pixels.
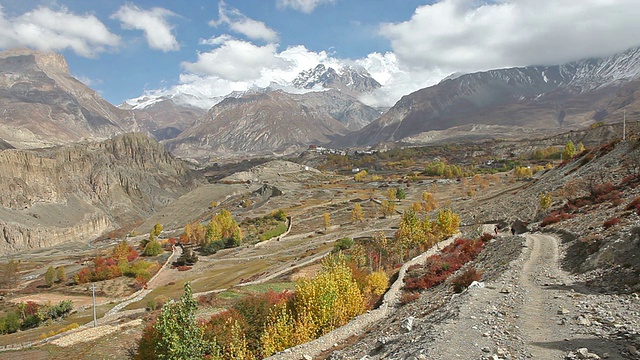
[{"x": 351, "y": 79}]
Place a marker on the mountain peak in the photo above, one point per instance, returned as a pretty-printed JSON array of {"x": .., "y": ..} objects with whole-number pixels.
[
  {"x": 46, "y": 61},
  {"x": 347, "y": 78}
]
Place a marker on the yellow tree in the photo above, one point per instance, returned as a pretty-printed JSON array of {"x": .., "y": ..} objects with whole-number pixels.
[
  {"x": 391, "y": 194},
  {"x": 357, "y": 215},
  {"x": 545, "y": 201},
  {"x": 327, "y": 220},
  {"x": 569, "y": 150},
  {"x": 188, "y": 231},
  {"x": 361, "y": 176},
  {"x": 429, "y": 201},
  {"x": 447, "y": 222},
  {"x": 409, "y": 233},
  {"x": 380, "y": 244},
  {"x": 388, "y": 207}
]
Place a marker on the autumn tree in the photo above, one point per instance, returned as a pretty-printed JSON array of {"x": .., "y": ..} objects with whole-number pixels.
[
  {"x": 188, "y": 231},
  {"x": 361, "y": 176},
  {"x": 569, "y": 150},
  {"x": 545, "y": 201},
  {"x": 61, "y": 274},
  {"x": 9, "y": 273},
  {"x": 327, "y": 301},
  {"x": 447, "y": 222},
  {"x": 50, "y": 276},
  {"x": 380, "y": 245},
  {"x": 391, "y": 194},
  {"x": 522, "y": 172},
  {"x": 155, "y": 232},
  {"x": 327, "y": 220},
  {"x": 388, "y": 207},
  {"x": 357, "y": 215},
  {"x": 429, "y": 201}
]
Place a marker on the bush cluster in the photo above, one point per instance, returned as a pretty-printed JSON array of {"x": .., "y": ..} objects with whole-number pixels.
[
  {"x": 440, "y": 266},
  {"x": 30, "y": 315}
]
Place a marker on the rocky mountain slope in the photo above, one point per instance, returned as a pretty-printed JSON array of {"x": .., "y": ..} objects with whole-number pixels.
[
  {"x": 263, "y": 123},
  {"x": 77, "y": 192},
  {"x": 163, "y": 118},
  {"x": 549, "y": 99},
  {"x": 43, "y": 105}
]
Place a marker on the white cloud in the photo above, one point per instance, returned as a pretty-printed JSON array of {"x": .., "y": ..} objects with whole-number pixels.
[
  {"x": 305, "y": 6},
  {"x": 216, "y": 40},
  {"x": 47, "y": 30},
  {"x": 469, "y": 35},
  {"x": 158, "y": 32},
  {"x": 235, "y": 60},
  {"x": 239, "y": 23}
]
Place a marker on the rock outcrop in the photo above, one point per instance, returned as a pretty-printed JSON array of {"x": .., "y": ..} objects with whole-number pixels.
[{"x": 77, "y": 192}]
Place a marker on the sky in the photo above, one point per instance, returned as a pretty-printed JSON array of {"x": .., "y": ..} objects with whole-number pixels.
[{"x": 208, "y": 48}]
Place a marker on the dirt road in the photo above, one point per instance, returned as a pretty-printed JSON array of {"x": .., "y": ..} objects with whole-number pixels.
[{"x": 530, "y": 309}]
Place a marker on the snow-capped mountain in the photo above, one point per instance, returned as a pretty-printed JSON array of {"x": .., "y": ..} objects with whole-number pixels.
[
  {"x": 348, "y": 78},
  {"x": 548, "y": 98}
]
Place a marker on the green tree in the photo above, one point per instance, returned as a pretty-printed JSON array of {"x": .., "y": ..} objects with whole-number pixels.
[
  {"x": 153, "y": 248},
  {"x": 180, "y": 336},
  {"x": 50, "y": 276},
  {"x": 401, "y": 194}
]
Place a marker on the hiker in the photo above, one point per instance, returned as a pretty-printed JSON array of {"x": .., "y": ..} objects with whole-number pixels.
[
  {"x": 495, "y": 229},
  {"x": 513, "y": 231}
]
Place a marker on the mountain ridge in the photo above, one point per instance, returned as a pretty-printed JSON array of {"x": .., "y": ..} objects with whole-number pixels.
[{"x": 548, "y": 98}]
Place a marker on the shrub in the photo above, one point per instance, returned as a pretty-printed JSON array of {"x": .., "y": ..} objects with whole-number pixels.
[
  {"x": 213, "y": 247},
  {"x": 187, "y": 258},
  {"x": 555, "y": 217},
  {"x": 611, "y": 222},
  {"x": 439, "y": 267},
  {"x": 633, "y": 205},
  {"x": 465, "y": 279},
  {"x": 343, "y": 244},
  {"x": 153, "y": 248},
  {"x": 30, "y": 322},
  {"x": 377, "y": 282}
]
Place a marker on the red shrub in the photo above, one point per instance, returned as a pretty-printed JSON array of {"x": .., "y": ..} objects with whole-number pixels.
[
  {"x": 555, "y": 217},
  {"x": 439, "y": 267},
  {"x": 633, "y": 205},
  {"x": 184, "y": 268},
  {"x": 486, "y": 237},
  {"x": 133, "y": 254},
  {"x": 609, "y": 223},
  {"x": 31, "y": 308}
]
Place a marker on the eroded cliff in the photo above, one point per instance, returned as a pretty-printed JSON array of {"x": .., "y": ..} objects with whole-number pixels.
[{"x": 78, "y": 192}]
